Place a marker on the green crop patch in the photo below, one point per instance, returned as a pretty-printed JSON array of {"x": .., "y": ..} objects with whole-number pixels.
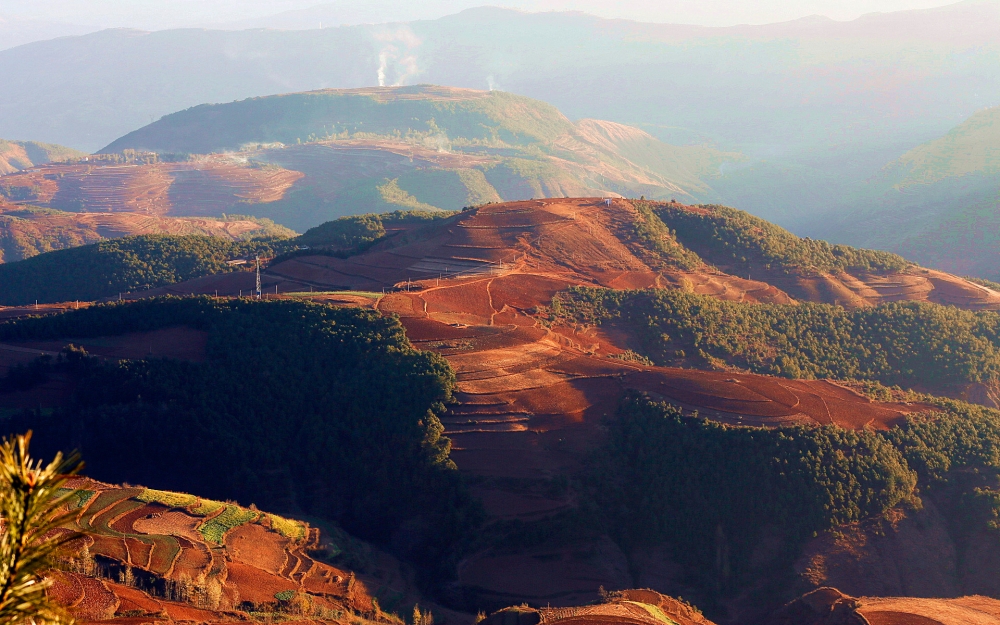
[
  {"x": 214, "y": 530},
  {"x": 207, "y": 507},
  {"x": 167, "y": 498},
  {"x": 289, "y": 528}
]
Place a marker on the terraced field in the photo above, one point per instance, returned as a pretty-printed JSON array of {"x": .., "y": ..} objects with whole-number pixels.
[
  {"x": 631, "y": 607},
  {"x": 190, "y": 559},
  {"x": 208, "y": 186}
]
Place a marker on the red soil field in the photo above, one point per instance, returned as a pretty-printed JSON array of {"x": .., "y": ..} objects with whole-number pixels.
[
  {"x": 163, "y": 538},
  {"x": 209, "y": 186}
]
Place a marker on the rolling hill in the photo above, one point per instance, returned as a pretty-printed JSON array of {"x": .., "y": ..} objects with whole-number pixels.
[
  {"x": 302, "y": 159},
  {"x": 18, "y": 155},
  {"x": 597, "y": 463},
  {"x": 535, "y": 389}
]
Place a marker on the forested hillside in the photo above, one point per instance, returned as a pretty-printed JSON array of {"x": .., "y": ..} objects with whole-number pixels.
[
  {"x": 717, "y": 495},
  {"x": 905, "y": 343},
  {"x": 735, "y": 239},
  {"x": 115, "y": 266},
  {"x": 295, "y": 405}
]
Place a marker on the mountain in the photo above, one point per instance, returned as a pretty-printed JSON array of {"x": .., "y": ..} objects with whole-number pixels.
[
  {"x": 937, "y": 203},
  {"x": 817, "y": 106},
  {"x": 303, "y": 159},
  {"x": 18, "y": 155}
]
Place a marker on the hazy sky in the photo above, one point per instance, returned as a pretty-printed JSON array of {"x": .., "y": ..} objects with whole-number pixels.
[{"x": 158, "y": 14}]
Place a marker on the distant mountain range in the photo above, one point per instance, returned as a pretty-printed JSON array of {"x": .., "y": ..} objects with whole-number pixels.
[
  {"x": 817, "y": 107},
  {"x": 938, "y": 204},
  {"x": 770, "y": 90}
]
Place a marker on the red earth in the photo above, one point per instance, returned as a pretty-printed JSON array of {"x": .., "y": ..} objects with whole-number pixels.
[
  {"x": 532, "y": 396},
  {"x": 170, "y": 536}
]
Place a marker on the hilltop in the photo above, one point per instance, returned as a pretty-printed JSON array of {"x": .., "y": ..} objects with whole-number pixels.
[{"x": 302, "y": 159}]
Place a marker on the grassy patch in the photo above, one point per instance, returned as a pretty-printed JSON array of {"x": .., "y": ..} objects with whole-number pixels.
[
  {"x": 207, "y": 507},
  {"x": 75, "y": 499},
  {"x": 214, "y": 530},
  {"x": 167, "y": 498},
  {"x": 655, "y": 612},
  {"x": 289, "y": 528}
]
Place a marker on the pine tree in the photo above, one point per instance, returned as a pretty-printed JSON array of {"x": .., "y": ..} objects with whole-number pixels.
[{"x": 30, "y": 503}]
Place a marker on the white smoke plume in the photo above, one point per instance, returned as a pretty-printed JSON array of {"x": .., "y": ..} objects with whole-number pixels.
[
  {"x": 398, "y": 55},
  {"x": 383, "y": 62}
]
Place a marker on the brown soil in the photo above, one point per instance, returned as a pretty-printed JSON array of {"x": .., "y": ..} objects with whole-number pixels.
[
  {"x": 67, "y": 229},
  {"x": 209, "y": 186}
]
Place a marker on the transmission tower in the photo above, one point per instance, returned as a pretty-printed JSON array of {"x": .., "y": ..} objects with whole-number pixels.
[{"x": 257, "y": 258}]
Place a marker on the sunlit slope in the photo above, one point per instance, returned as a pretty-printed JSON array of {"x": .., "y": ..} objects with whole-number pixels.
[
  {"x": 972, "y": 147},
  {"x": 18, "y": 155}
]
